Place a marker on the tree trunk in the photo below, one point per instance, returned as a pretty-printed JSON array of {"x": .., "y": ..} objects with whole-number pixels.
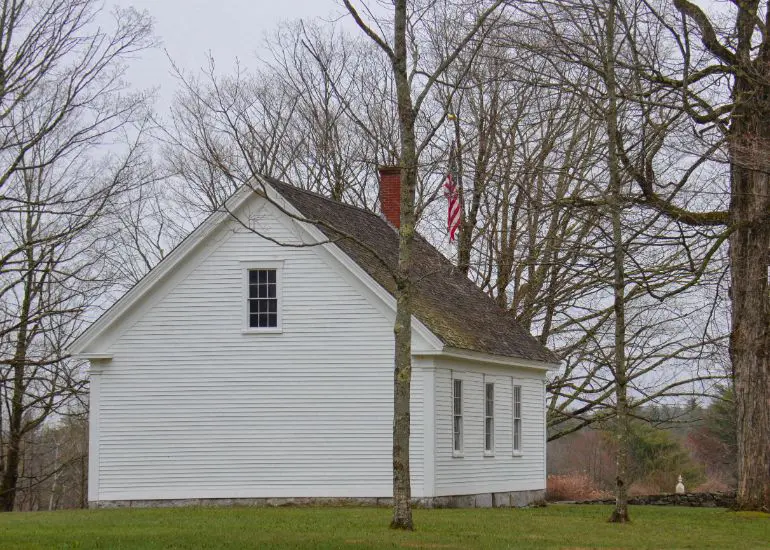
[
  {"x": 620, "y": 513},
  {"x": 750, "y": 262},
  {"x": 13, "y": 457},
  {"x": 402, "y": 376}
]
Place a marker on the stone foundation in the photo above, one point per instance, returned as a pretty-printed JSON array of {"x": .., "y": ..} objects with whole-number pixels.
[{"x": 512, "y": 499}]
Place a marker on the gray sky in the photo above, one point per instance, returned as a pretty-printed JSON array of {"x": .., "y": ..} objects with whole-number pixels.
[{"x": 229, "y": 29}]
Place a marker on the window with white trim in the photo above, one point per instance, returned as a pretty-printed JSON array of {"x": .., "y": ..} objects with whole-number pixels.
[
  {"x": 262, "y": 296},
  {"x": 516, "y": 419},
  {"x": 457, "y": 416},
  {"x": 489, "y": 418}
]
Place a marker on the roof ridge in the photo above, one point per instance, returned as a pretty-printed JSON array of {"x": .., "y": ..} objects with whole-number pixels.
[{"x": 272, "y": 180}]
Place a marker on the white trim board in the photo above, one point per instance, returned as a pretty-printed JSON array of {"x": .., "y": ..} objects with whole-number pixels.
[{"x": 488, "y": 358}]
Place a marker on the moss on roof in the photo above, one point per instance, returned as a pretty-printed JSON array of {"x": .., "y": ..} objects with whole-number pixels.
[{"x": 450, "y": 305}]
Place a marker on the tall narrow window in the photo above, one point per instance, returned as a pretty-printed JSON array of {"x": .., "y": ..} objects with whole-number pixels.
[
  {"x": 489, "y": 418},
  {"x": 457, "y": 416},
  {"x": 263, "y": 298},
  {"x": 516, "y": 419}
]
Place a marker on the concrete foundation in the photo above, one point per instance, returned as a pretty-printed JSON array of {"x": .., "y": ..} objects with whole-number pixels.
[{"x": 511, "y": 499}]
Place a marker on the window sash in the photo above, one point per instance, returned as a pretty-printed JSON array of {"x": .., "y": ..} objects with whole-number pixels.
[
  {"x": 262, "y": 298},
  {"x": 457, "y": 415},
  {"x": 489, "y": 417},
  {"x": 516, "y": 419}
]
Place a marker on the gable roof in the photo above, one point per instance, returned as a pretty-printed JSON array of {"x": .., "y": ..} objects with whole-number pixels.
[{"x": 459, "y": 313}]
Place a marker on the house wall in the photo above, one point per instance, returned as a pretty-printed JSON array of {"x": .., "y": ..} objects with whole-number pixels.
[
  {"x": 473, "y": 472},
  {"x": 190, "y": 407}
]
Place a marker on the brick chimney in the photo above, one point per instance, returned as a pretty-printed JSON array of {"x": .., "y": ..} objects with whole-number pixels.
[{"x": 390, "y": 193}]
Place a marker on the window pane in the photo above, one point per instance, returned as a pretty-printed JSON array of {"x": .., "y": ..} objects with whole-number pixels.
[
  {"x": 272, "y": 306},
  {"x": 253, "y": 276},
  {"x": 262, "y": 276},
  {"x": 517, "y": 401},
  {"x": 271, "y": 290},
  {"x": 517, "y": 435},
  {"x": 457, "y": 433},
  {"x": 458, "y": 392},
  {"x": 253, "y": 320},
  {"x": 271, "y": 276},
  {"x": 272, "y": 320}
]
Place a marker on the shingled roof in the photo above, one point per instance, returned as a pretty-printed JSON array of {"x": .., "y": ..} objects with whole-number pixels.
[{"x": 450, "y": 305}]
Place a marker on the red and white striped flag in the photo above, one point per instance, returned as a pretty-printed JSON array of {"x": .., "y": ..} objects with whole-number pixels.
[{"x": 452, "y": 193}]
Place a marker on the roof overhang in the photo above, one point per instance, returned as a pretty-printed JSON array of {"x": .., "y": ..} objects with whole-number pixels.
[
  {"x": 93, "y": 356},
  {"x": 489, "y": 359}
]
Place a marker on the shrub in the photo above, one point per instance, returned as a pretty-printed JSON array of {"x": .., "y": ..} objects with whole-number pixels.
[
  {"x": 714, "y": 486},
  {"x": 574, "y": 486}
]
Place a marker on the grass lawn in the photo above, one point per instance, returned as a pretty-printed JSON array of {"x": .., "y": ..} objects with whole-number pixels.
[{"x": 566, "y": 527}]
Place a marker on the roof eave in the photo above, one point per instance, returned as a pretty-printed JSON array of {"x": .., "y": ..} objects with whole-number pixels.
[{"x": 489, "y": 358}]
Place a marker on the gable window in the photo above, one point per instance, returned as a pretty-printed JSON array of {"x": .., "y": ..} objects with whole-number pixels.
[
  {"x": 489, "y": 418},
  {"x": 457, "y": 416},
  {"x": 263, "y": 297},
  {"x": 516, "y": 420}
]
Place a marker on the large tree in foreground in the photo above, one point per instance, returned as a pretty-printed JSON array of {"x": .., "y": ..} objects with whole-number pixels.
[
  {"x": 413, "y": 83},
  {"x": 737, "y": 57}
]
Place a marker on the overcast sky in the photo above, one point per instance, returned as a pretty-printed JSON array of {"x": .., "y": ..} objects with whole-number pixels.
[{"x": 229, "y": 29}]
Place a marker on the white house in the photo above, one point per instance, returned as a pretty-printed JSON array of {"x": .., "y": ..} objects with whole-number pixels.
[{"x": 244, "y": 370}]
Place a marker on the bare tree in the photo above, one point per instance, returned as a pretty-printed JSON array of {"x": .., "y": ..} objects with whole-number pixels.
[
  {"x": 63, "y": 95},
  {"x": 734, "y": 58},
  {"x": 406, "y": 70},
  {"x": 622, "y": 421},
  {"x": 617, "y": 358},
  {"x": 144, "y": 226}
]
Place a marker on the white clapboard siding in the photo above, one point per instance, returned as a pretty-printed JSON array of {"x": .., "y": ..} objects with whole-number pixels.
[
  {"x": 473, "y": 472},
  {"x": 191, "y": 407}
]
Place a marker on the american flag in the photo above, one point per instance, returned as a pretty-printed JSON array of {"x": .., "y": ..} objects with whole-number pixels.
[{"x": 451, "y": 192}]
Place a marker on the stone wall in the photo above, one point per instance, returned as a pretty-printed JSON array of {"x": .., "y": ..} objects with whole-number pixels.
[
  {"x": 513, "y": 499},
  {"x": 704, "y": 500}
]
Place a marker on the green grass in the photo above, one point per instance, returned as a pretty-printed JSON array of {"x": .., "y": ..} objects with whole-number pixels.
[{"x": 566, "y": 527}]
